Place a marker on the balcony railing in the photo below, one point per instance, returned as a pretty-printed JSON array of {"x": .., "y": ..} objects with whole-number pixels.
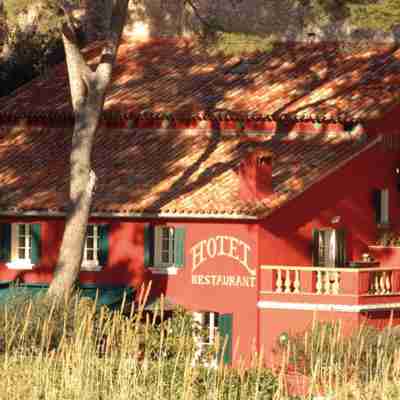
[{"x": 330, "y": 281}]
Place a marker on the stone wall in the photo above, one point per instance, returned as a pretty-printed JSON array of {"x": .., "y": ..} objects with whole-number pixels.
[{"x": 283, "y": 19}]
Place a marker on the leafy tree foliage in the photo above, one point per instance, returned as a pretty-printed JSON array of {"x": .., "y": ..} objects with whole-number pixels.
[
  {"x": 32, "y": 41},
  {"x": 384, "y": 14}
]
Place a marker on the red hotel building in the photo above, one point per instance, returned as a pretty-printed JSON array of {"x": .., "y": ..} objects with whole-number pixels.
[{"x": 251, "y": 191}]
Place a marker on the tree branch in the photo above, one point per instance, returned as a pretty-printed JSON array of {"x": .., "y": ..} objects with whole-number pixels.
[
  {"x": 117, "y": 22},
  {"x": 79, "y": 73},
  {"x": 198, "y": 16}
]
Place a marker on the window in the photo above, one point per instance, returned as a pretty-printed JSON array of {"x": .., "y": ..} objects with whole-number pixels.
[
  {"x": 209, "y": 322},
  {"x": 164, "y": 248},
  {"x": 381, "y": 205},
  {"x": 90, "y": 252},
  {"x": 22, "y": 242},
  {"x": 95, "y": 253},
  {"x": 329, "y": 248},
  {"x": 214, "y": 325},
  {"x": 20, "y": 245}
]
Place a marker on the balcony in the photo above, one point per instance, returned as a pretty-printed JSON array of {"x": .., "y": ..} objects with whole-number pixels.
[{"x": 320, "y": 284}]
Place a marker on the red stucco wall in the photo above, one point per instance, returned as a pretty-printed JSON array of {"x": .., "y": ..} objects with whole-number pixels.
[
  {"x": 126, "y": 267},
  {"x": 274, "y": 322},
  {"x": 346, "y": 193},
  {"x": 286, "y": 239},
  {"x": 240, "y": 301},
  {"x": 125, "y": 264}
]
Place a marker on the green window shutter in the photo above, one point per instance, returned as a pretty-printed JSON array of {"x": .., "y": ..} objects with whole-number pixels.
[
  {"x": 148, "y": 245},
  {"x": 377, "y": 197},
  {"x": 315, "y": 247},
  {"x": 341, "y": 248},
  {"x": 5, "y": 241},
  {"x": 36, "y": 243},
  {"x": 180, "y": 247},
  {"x": 225, "y": 323},
  {"x": 103, "y": 245}
]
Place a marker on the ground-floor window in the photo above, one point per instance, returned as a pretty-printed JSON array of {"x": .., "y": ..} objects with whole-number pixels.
[
  {"x": 20, "y": 245},
  {"x": 209, "y": 323},
  {"x": 214, "y": 326}
]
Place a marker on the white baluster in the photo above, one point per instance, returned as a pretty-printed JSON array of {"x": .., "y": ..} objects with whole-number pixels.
[
  {"x": 327, "y": 283},
  {"x": 279, "y": 281},
  {"x": 336, "y": 286},
  {"x": 296, "y": 283},
  {"x": 319, "y": 282},
  {"x": 376, "y": 283},
  {"x": 372, "y": 283},
  {"x": 288, "y": 282},
  {"x": 382, "y": 282},
  {"x": 388, "y": 282}
]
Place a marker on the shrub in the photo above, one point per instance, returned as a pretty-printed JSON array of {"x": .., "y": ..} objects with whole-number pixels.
[
  {"x": 363, "y": 356},
  {"x": 38, "y": 324}
]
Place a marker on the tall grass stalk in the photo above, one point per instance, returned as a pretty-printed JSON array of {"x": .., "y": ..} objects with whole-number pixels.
[
  {"x": 363, "y": 365},
  {"x": 77, "y": 351}
]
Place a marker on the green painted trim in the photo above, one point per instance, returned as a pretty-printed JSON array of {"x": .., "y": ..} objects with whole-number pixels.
[
  {"x": 36, "y": 243},
  {"x": 111, "y": 297},
  {"x": 376, "y": 196},
  {"x": 103, "y": 245},
  {"x": 34, "y": 284},
  {"x": 5, "y": 242},
  {"x": 180, "y": 247},
  {"x": 98, "y": 286},
  {"x": 5, "y": 282},
  {"x": 225, "y": 325},
  {"x": 315, "y": 247},
  {"x": 148, "y": 245}
]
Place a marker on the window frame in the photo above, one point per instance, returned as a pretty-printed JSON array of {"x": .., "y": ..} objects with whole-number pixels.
[
  {"x": 92, "y": 265},
  {"x": 212, "y": 328},
  {"x": 332, "y": 241},
  {"x": 385, "y": 213},
  {"x": 16, "y": 262},
  {"x": 158, "y": 247},
  {"x": 328, "y": 244},
  {"x": 382, "y": 207},
  {"x": 153, "y": 249}
]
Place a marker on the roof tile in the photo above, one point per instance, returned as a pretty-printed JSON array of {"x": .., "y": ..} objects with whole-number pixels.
[
  {"x": 174, "y": 76},
  {"x": 165, "y": 171}
]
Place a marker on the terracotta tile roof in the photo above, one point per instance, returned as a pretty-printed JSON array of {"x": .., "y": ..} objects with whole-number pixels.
[
  {"x": 317, "y": 81},
  {"x": 174, "y": 172}
]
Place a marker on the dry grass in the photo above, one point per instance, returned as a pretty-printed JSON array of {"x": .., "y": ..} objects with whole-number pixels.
[
  {"x": 76, "y": 351},
  {"x": 364, "y": 365}
]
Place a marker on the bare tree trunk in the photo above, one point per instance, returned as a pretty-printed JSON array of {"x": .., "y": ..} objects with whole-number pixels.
[
  {"x": 82, "y": 182},
  {"x": 88, "y": 90}
]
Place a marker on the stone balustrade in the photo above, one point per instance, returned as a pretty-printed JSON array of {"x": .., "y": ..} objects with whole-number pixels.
[
  {"x": 330, "y": 281},
  {"x": 381, "y": 282}
]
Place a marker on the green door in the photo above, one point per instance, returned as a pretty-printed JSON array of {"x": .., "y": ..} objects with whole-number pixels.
[{"x": 225, "y": 330}]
